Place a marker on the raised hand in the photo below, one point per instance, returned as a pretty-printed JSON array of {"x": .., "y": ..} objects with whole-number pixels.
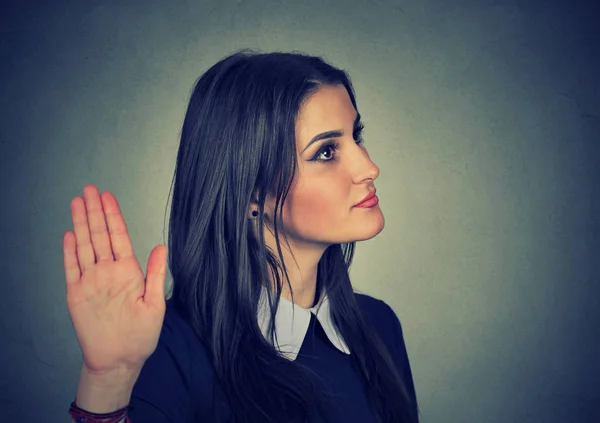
[{"x": 117, "y": 313}]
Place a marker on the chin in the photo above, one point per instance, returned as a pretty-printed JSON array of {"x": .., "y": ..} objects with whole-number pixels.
[
  {"x": 370, "y": 230},
  {"x": 367, "y": 237}
]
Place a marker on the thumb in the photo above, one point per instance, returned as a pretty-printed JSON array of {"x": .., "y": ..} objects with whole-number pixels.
[{"x": 155, "y": 275}]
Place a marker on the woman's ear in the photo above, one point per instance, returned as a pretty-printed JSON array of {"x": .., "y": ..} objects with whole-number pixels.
[{"x": 253, "y": 207}]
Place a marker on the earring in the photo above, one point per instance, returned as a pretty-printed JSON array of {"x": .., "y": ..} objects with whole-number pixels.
[{"x": 254, "y": 213}]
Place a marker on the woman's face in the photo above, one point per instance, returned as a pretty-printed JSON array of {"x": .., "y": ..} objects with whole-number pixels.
[{"x": 320, "y": 206}]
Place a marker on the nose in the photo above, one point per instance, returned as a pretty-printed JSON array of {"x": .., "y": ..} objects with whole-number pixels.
[{"x": 365, "y": 167}]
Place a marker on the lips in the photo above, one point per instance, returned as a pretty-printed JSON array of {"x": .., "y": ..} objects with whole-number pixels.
[{"x": 368, "y": 197}]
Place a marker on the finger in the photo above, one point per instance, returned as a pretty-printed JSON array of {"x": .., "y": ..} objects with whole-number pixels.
[
  {"x": 97, "y": 224},
  {"x": 155, "y": 275},
  {"x": 72, "y": 271},
  {"x": 119, "y": 237},
  {"x": 84, "y": 248}
]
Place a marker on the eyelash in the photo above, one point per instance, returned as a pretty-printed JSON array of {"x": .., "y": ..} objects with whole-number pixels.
[{"x": 334, "y": 145}]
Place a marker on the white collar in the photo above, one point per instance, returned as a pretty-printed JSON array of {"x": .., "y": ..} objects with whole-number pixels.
[{"x": 292, "y": 321}]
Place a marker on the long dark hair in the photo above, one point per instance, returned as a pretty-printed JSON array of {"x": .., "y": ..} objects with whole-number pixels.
[{"x": 238, "y": 144}]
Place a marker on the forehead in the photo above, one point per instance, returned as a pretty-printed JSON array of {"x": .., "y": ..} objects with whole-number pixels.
[{"x": 327, "y": 109}]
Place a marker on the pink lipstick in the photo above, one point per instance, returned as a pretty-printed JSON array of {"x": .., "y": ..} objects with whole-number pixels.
[{"x": 369, "y": 201}]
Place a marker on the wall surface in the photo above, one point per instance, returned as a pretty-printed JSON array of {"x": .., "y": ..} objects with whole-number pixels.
[{"x": 483, "y": 116}]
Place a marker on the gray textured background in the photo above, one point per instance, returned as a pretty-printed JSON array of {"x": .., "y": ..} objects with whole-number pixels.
[{"x": 483, "y": 116}]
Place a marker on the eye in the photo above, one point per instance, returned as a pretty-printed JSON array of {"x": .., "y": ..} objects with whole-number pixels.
[{"x": 334, "y": 146}]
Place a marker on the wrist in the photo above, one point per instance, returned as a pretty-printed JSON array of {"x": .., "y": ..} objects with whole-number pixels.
[
  {"x": 110, "y": 378},
  {"x": 105, "y": 392}
]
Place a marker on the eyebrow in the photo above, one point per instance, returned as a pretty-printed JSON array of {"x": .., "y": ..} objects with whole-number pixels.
[{"x": 331, "y": 134}]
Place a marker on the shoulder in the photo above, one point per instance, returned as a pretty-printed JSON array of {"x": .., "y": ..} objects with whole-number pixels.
[
  {"x": 179, "y": 339},
  {"x": 175, "y": 326},
  {"x": 380, "y": 315},
  {"x": 369, "y": 302},
  {"x": 374, "y": 309},
  {"x": 168, "y": 383},
  {"x": 175, "y": 343}
]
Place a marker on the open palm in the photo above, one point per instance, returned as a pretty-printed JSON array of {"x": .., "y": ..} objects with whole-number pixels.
[{"x": 117, "y": 313}]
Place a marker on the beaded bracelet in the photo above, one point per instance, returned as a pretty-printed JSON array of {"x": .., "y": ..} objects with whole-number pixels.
[{"x": 83, "y": 416}]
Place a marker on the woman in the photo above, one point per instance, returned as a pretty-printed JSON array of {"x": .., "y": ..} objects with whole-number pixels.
[{"x": 263, "y": 324}]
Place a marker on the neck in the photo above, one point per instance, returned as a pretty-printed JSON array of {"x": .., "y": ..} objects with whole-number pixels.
[
  {"x": 302, "y": 277},
  {"x": 301, "y": 268},
  {"x": 304, "y": 287}
]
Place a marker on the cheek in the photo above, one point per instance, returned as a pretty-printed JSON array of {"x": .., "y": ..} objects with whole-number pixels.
[{"x": 318, "y": 202}]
